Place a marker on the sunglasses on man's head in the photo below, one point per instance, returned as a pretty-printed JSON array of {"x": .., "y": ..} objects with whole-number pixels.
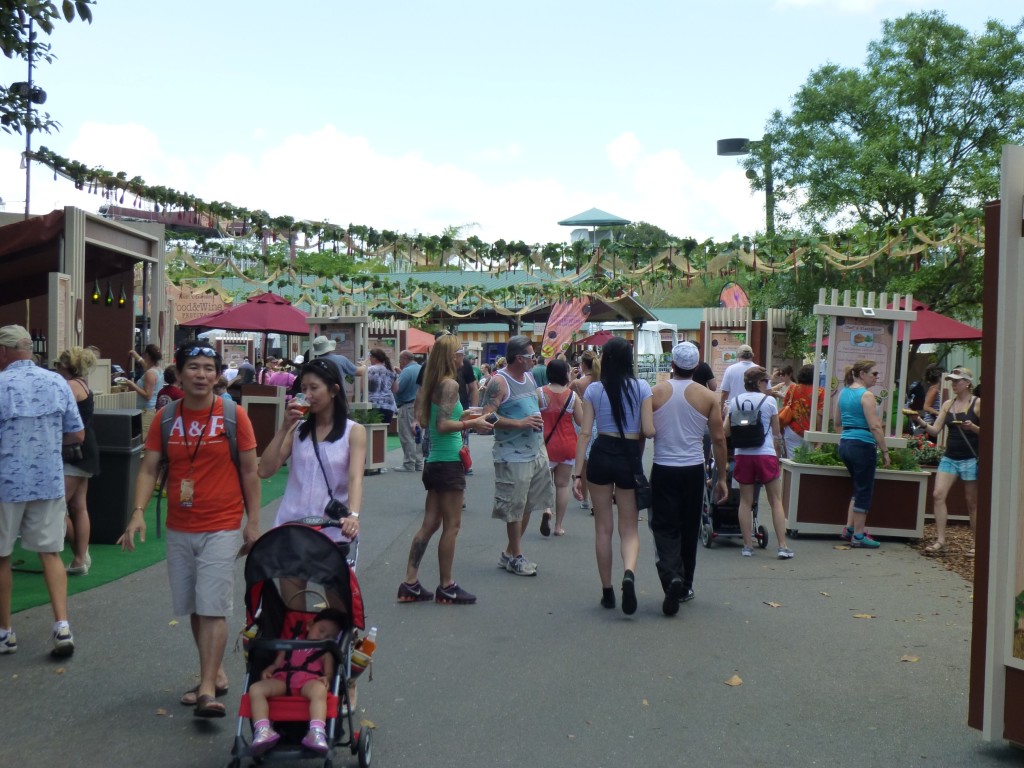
[{"x": 204, "y": 351}]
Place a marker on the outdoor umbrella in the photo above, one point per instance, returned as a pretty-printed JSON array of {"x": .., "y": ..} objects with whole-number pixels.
[
  {"x": 265, "y": 313},
  {"x": 596, "y": 339},
  {"x": 933, "y": 328},
  {"x": 418, "y": 342}
]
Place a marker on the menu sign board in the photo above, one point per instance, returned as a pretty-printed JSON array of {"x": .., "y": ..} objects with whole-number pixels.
[
  {"x": 856, "y": 339},
  {"x": 724, "y": 346}
]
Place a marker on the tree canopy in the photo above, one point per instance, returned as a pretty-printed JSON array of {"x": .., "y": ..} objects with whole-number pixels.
[
  {"x": 916, "y": 132},
  {"x": 20, "y": 24}
]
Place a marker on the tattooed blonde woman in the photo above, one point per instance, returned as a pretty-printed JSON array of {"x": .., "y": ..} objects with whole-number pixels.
[{"x": 438, "y": 408}]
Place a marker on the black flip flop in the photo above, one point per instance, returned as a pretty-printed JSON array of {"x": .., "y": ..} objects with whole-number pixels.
[
  {"x": 208, "y": 706},
  {"x": 195, "y": 692}
]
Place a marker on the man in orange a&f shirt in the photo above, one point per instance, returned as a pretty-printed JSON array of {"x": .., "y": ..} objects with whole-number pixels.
[{"x": 206, "y": 498}]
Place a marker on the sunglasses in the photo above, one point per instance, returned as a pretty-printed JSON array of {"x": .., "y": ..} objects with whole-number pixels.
[
  {"x": 529, "y": 357},
  {"x": 204, "y": 351}
]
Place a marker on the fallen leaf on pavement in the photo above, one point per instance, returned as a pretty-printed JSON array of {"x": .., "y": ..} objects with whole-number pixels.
[
  {"x": 161, "y": 712},
  {"x": 646, "y": 703},
  {"x": 367, "y": 724},
  {"x": 772, "y": 604},
  {"x": 825, "y": 594},
  {"x": 172, "y": 623},
  {"x": 908, "y": 657},
  {"x": 59, "y": 671},
  {"x": 734, "y": 681},
  {"x": 840, "y": 546},
  {"x": 863, "y": 616}
]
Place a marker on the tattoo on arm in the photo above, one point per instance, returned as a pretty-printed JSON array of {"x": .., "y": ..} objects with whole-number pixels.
[
  {"x": 494, "y": 394},
  {"x": 447, "y": 397}
]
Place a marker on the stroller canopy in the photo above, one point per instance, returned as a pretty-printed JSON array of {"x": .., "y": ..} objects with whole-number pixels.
[{"x": 298, "y": 551}]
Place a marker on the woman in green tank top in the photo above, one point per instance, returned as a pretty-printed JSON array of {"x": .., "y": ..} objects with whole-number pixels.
[{"x": 438, "y": 410}]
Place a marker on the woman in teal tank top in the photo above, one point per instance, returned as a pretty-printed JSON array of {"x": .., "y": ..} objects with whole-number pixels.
[
  {"x": 858, "y": 446},
  {"x": 438, "y": 410}
]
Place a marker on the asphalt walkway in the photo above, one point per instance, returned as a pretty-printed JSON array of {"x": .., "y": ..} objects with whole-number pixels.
[{"x": 846, "y": 657}]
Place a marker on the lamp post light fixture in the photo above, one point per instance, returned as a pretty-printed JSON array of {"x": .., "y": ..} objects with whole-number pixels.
[{"x": 736, "y": 147}]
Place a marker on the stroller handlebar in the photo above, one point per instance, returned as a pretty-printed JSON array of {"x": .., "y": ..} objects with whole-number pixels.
[{"x": 317, "y": 521}]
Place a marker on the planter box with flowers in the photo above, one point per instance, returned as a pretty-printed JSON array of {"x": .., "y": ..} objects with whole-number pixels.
[
  {"x": 928, "y": 454},
  {"x": 376, "y": 437},
  {"x": 816, "y": 492}
]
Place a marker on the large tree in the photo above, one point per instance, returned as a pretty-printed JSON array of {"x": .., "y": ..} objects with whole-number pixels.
[
  {"x": 21, "y": 22},
  {"x": 915, "y": 132}
]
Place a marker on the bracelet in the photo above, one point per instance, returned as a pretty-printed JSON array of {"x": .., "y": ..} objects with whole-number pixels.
[
  {"x": 354, "y": 514},
  {"x": 139, "y": 509},
  {"x": 576, "y": 477}
]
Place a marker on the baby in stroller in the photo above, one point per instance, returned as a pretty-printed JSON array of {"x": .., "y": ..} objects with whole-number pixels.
[{"x": 307, "y": 672}]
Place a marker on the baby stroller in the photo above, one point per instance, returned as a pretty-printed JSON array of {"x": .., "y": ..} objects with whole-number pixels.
[
  {"x": 722, "y": 520},
  {"x": 300, "y": 551}
]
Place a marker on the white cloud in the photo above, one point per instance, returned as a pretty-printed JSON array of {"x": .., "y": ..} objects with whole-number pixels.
[
  {"x": 624, "y": 150},
  {"x": 328, "y": 174}
]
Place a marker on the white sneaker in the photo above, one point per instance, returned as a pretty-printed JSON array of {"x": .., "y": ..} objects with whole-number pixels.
[
  {"x": 747, "y": 552},
  {"x": 9, "y": 643},
  {"x": 785, "y": 553},
  {"x": 520, "y": 566},
  {"x": 63, "y": 642}
]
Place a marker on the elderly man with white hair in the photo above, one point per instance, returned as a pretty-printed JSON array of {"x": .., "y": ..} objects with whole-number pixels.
[{"x": 38, "y": 415}]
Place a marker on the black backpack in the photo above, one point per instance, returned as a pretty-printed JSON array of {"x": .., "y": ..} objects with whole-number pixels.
[{"x": 745, "y": 424}]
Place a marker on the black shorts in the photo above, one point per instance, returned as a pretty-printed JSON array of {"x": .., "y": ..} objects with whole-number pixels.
[
  {"x": 444, "y": 476},
  {"x": 611, "y": 461}
]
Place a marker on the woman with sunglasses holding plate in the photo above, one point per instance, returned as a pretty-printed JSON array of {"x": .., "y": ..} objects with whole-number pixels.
[{"x": 961, "y": 415}]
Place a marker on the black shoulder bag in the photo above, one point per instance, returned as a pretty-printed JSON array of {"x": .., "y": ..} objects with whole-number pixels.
[{"x": 335, "y": 509}]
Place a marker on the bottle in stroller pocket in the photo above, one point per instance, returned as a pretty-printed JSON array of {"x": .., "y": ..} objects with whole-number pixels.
[{"x": 362, "y": 653}]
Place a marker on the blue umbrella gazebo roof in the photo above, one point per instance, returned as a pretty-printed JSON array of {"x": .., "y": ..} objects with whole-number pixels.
[{"x": 595, "y": 217}]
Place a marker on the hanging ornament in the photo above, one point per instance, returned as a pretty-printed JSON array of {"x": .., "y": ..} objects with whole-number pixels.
[
  {"x": 122, "y": 300},
  {"x": 96, "y": 292},
  {"x": 109, "y": 301}
]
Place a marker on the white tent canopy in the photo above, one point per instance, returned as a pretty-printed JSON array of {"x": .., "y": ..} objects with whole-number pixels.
[{"x": 648, "y": 335}]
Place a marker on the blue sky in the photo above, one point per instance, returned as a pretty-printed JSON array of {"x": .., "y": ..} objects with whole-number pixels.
[{"x": 415, "y": 116}]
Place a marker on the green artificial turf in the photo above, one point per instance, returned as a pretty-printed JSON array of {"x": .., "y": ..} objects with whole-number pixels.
[{"x": 108, "y": 561}]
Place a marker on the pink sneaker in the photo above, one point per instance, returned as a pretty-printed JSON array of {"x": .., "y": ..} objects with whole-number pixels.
[
  {"x": 264, "y": 739},
  {"x": 316, "y": 741}
]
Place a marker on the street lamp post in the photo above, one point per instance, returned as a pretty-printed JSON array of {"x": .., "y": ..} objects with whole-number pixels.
[{"x": 735, "y": 147}]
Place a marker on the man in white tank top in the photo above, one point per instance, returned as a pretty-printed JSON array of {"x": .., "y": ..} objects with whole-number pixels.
[{"x": 682, "y": 411}]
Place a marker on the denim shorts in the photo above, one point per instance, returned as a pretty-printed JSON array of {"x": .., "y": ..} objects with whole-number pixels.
[
  {"x": 860, "y": 459},
  {"x": 965, "y": 469}
]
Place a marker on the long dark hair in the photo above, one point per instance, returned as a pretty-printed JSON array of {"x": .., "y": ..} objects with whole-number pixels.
[
  {"x": 327, "y": 371},
  {"x": 618, "y": 381}
]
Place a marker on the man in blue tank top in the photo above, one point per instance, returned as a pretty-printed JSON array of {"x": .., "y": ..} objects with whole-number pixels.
[{"x": 522, "y": 480}]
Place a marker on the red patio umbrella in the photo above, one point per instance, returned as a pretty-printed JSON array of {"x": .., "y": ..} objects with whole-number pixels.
[
  {"x": 265, "y": 313},
  {"x": 596, "y": 339},
  {"x": 418, "y": 342}
]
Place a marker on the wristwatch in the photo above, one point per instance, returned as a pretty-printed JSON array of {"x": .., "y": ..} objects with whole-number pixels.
[
  {"x": 492, "y": 418},
  {"x": 354, "y": 514}
]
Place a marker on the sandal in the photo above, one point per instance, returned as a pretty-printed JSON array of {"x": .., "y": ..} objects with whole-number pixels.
[
  {"x": 208, "y": 706},
  {"x": 191, "y": 697},
  {"x": 935, "y": 549}
]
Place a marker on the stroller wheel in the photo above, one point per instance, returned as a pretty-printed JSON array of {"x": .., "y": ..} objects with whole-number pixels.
[
  {"x": 706, "y": 532},
  {"x": 364, "y": 750},
  {"x": 762, "y": 536}
]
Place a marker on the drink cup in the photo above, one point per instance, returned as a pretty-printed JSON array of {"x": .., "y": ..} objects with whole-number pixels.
[{"x": 300, "y": 400}]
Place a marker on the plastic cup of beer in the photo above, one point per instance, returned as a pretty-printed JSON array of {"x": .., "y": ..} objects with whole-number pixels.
[{"x": 300, "y": 400}]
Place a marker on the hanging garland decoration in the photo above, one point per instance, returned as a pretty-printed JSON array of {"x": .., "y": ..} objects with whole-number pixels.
[{"x": 557, "y": 266}]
